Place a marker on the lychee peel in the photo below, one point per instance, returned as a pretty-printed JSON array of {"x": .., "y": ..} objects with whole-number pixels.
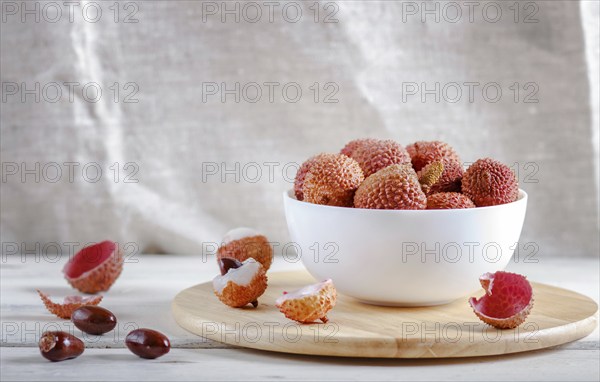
[
  {"x": 424, "y": 152},
  {"x": 351, "y": 146},
  {"x": 488, "y": 182},
  {"x": 310, "y": 303},
  {"x": 395, "y": 187},
  {"x": 375, "y": 155},
  {"x": 245, "y": 245},
  {"x": 241, "y": 286},
  {"x": 332, "y": 180},
  {"x": 301, "y": 175},
  {"x": 448, "y": 200},
  {"x": 69, "y": 305},
  {"x": 507, "y": 302},
  {"x": 95, "y": 268}
]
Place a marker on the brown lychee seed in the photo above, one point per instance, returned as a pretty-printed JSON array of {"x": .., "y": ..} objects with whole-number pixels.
[
  {"x": 332, "y": 180},
  {"x": 301, "y": 175},
  {"x": 448, "y": 200},
  {"x": 244, "y": 243},
  {"x": 396, "y": 187},
  {"x": 95, "y": 268},
  {"x": 488, "y": 182},
  {"x": 424, "y": 152},
  {"x": 375, "y": 155}
]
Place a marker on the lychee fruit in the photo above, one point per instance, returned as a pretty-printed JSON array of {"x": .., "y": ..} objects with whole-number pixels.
[
  {"x": 69, "y": 305},
  {"x": 424, "y": 152},
  {"x": 488, "y": 182},
  {"x": 448, "y": 200},
  {"x": 240, "y": 283},
  {"x": 95, "y": 267},
  {"x": 310, "y": 303},
  {"x": 374, "y": 155},
  {"x": 351, "y": 146},
  {"x": 450, "y": 178},
  {"x": 395, "y": 187},
  {"x": 301, "y": 174},
  {"x": 430, "y": 175},
  {"x": 243, "y": 243},
  {"x": 507, "y": 302},
  {"x": 332, "y": 180}
]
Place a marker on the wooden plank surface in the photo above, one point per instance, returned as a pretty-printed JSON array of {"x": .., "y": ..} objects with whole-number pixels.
[{"x": 143, "y": 296}]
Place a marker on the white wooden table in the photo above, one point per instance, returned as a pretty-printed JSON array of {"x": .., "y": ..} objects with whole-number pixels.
[{"x": 142, "y": 296}]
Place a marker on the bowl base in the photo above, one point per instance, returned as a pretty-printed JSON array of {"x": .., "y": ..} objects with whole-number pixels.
[{"x": 404, "y": 304}]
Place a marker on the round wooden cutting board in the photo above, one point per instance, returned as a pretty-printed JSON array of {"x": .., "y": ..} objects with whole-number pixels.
[{"x": 359, "y": 330}]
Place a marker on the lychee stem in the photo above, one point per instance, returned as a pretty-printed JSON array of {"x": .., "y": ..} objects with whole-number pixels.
[
  {"x": 254, "y": 303},
  {"x": 324, "y": 319}
]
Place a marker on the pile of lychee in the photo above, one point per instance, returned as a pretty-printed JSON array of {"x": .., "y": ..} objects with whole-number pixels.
[{"x": 382, "y": 174}]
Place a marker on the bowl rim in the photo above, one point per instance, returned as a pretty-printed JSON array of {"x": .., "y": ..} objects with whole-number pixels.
[{"x": 290, "y": 196}]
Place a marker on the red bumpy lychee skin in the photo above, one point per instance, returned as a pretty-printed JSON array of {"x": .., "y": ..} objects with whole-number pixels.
[
  {"x": 424, "y": 152},
  {"x": 242, "y": 283},
  {"x": 332, "y": 180},
  {"x": 310, "y": 303},
  {"x": 373, "y": 155},
  {"x": 351, "y": 146},
  {"x": 448, "y": 200},
  {"x": 507, "y": 302},
  {"x": 95, "y": 268},
  {"x": 301, "y": 175},
  {"x": 396, "y": 187},
  {"x": 244, "y": 243},
  {"x": 488, "y": 182},
  {"x": 70, "y": 304}
]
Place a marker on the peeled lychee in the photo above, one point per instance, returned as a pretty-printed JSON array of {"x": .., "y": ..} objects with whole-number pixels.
[
  {"x": 310, "y": 303},
  {"x": 332, "y": 180},
  {"x": 244, "y": 243},
  {"x": 95, "y": 267},
  {"x": 507, "y": 301},
  {"x": 351, "y": 146},
  {"x": 424, "y": 152},
  {"x": 301, "y": 174},
  {"x": 374, "y": 155},
  {"x": 69, "y": 305},
  {"x": 488, "y": 182},
  {"x": 240, "y": 283},
  {"x": 448, "y": 200},
  {"x": 395, "y": 187}
]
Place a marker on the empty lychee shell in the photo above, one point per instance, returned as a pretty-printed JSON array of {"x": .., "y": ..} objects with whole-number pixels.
[
  {"x": 94, "y": 268},
  {"x": 69, "y": 304},
  {"x": 310, "y": 303},
  {"x": 507, "y": 301},
  {"x": 243, "y": 243}
]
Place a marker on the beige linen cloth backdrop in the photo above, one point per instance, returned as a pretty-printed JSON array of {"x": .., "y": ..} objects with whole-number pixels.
[{"x": 169, "y": 181}]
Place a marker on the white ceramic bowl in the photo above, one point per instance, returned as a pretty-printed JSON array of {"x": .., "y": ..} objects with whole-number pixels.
[{"x": 404, "y": 257}]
